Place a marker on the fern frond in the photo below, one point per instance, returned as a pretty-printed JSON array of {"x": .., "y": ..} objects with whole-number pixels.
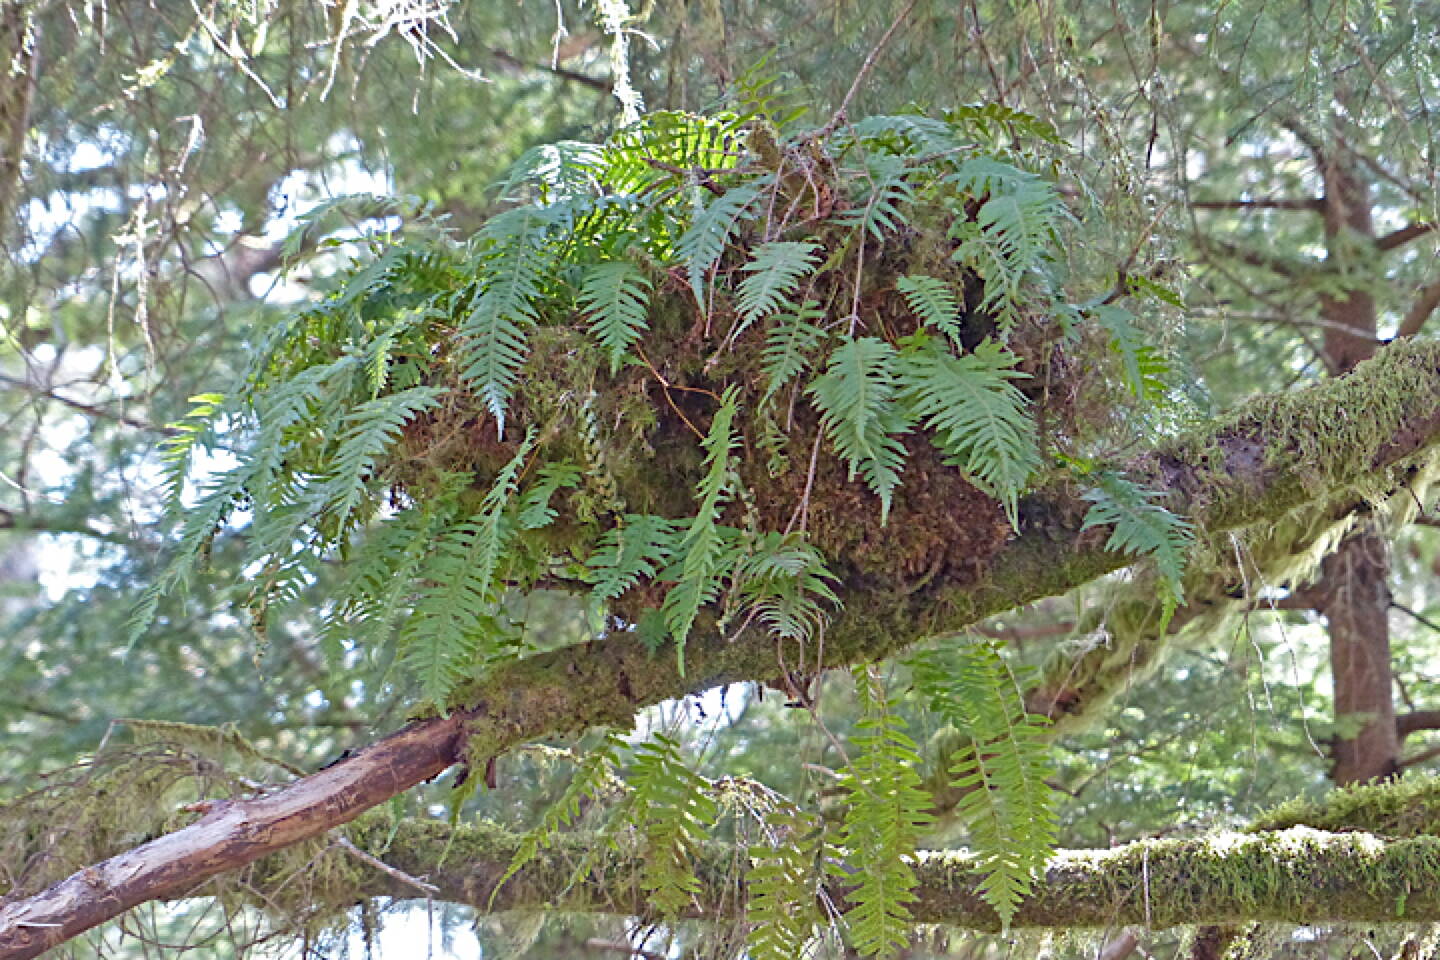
[
  {"x": 978, "y": 416},
  {"x": 1144, "y": 366},
  {"x": 781, "y": 913},
  {"x": 367, "y": 432},
  {"x": 785, "y": 583},
  {"x": 1001, "y": 766},
  {"x": 673, "y": 810},
  {"x": 881, "y": 210},
  {"x": 510, "y": 275},
  {"x": 443, "y": 635},
  {"x": 772, "y": 273},
  {"x": 535, "y": 509},
  {"x": 615, "y": 298},
  {"x": 856, "y": 399},
  {"x": 790, "y": 347},
  {"x": 634, "y": 548},
  {"x": 594, "y": 776},
  {"x": 884, "y": 816},
  {"x": 934, "y": 302},
  {"x": 1143, "y": 529},
  {"x": 176, "y": 448},
  {"x": 701, "y": 546},
  {"x": 709, "y": 233}
]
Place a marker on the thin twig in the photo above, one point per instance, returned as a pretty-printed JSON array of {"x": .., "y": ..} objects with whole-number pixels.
[
  {"x": 839, "y": 116},
  {"x": 429, "y": 889}
]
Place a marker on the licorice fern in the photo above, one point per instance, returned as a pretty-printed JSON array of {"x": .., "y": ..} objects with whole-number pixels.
[
  {"x": 710, "y": 232},
  {"x": 978, "y": 415},
  {"x": 1142, "y": 528},
  {"x": 934, "y": 302},
  {"x": 636, "y": 547},
  {"x": 886, "y": 811},
  {"x": 671, "y": 809},
  {"x": 855, "y": 396},
  {"x": 1001, "y": 765},
  {"x": 615, "y": 298},
  {"x": 443, "y": 637},
  {"x": 1143, "y": 366},
  {"x": 790, "y": 346},
  {"x": 781, "y": 913},
  {"x": 698, "y": 567},
  {"x": 770, "y": 277}
]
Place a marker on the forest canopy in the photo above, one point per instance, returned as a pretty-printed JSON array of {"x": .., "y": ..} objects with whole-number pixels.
[{"x": 748, "y": 480}]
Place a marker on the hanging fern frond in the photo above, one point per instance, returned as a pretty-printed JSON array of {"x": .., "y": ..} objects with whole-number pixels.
[
  {"x": 638, "y": 546},
  {"x": 790, "y": 347},
  {"x": 710, "y": 232},
  {"x": 978, "y": 415},
  {"x": 672, "y": 809},
  {"x": 1143, "y": 528},
  {"x": 781, "y": 913},
  {"x": 855, "y": 396},
  {"x": 934, "y": 302},
  {"x": 177, "y": 448},
  {"x": 366, "y": 433},
  {"x": 615, "y": 298},
  {"x": 1001, "y": 767},
  {"x": 594, "y": 776},
  {"x": 884, "y": 816},
  {"x": 771, "y": 275},
  {"x": 535, "y": 510},
  {"x": 1144, "y": 366},
  {"x": 701, "y": 546},
  {"x": 785, "y": 583},
  {"x": 881, "y": 210},
  {"x": 442, "y": 638},
  {"x": 511, "y": 271}
]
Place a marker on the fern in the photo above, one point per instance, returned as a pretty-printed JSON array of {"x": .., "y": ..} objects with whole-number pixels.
[
  {"x": 672, "y": 809},
  {"x": 785, "y": 583},
  {"x": 634, "y": 548},
  {"x": 1142, "y": 528},
  {"x": 772, "y": 273},
  {"x": 535, "y": 509},
  {"x": 934, "y": 302},
  {"x": 594, "y": 776},
  {"x": 885, "y": 813},
  {"x": 1001, "y": 766},
  {"x": 701, "y": 546},
  {"x": 781, "y": 913},
  {"x": 789, "y": 347},
  {"x": 880, "y": 212},
  {"x": 978, "y": 416},
  {"x": 510, "y": 276},
  {"x": 615, "y": 297},
  {"x": 700, "y": 246},
  {"x": 442, "y": 637},
  {"x": 1144, "y": 366},
  {"x": 177, "y": 449},
  {"x": 367, "y": 432},
  {"x": 856, "y": 400}
]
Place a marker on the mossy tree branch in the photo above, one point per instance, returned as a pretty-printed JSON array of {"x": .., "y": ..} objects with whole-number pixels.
[{"x": 1367, "y": 431}]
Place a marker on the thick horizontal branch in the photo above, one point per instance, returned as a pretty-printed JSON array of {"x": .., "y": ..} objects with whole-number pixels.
[
  {"x": 1262, "y": 203},
  {"x": 1255, "y": 464},
  {"x": 1402, "y": 236},
  {"x": 1297, "y": 875}
]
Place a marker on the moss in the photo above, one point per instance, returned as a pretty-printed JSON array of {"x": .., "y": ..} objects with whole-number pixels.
[{"x": 1408, "y": 807}]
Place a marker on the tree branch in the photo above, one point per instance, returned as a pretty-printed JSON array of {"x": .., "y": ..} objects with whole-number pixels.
[
  {"x": 1398, "y": 238},
  {"x": 1257, "y": 463},
  {"x": 1425, "y": 303},
  {"x": 1261, "y": 203}
]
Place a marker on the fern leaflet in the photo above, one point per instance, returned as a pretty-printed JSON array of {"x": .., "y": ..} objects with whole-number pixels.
[
  {"x": 781, "y": 913},
  {"x": 634, "y": 548},
  {"x": 1143, "y": 528},
  {"x": 615, "y": 297},
  {"x": 368, "y": 432},
  {"x": 856, "y": 399},
  {"x": 1002, "y": 765},
  {"x": 978, "y": 416}
]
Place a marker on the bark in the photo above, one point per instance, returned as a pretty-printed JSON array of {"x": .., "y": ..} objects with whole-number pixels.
[{"x": 1255, "y": 464}]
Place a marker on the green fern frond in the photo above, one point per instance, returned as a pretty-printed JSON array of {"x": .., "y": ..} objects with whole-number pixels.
[
  {"x": 1001, "y": 766},
  {"x": 443, "y": 635},
  {"x": 772, "y": 273},
  {"x": 702, "y": 546},
  {"x": 634, "y": 548},
  {"x": 510, "y": 274},
  {"x": 366, "y": 433},
  {"x": 176, "y": 449},
  {"x": 594, "y": 776},
  {"x": 884, "y": 816},
  {"x": 1142, "y": 528},
  {"x": 880, "y": 211},
  {"x": 978, "y": 416},
  {"x": 856, "y": 399},
  {"x": 781, "y": 913},
  {"x": 673, "y": 810},
  {"x": 1144, "y": 366},
  {"x": 615, "y": 298},
  {"x": 934, "y": 302},
  {"x": 785, "y": 583},
  {"x": 790, "y": 347},
  {"x": 701, "y": 245},
  {"x": 535, "y": 509}
]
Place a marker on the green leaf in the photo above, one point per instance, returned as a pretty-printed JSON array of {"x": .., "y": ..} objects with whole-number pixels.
[
  {"x": 934, "y": 302},
  {"x": 1142, "y": 528},
  {"x": 615, "y": 298},
  {"x": 772, "y": 273},
  {"x": 700, "y": 246},
  {"x": 790, "y": 347},
  {"x": 1144, "y": 366}
]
